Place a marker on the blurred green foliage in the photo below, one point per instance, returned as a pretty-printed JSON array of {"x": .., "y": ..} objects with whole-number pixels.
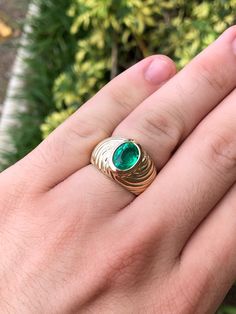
[
  {"x": 112, "y": 35},
  {"x": 227, "y": 310}
]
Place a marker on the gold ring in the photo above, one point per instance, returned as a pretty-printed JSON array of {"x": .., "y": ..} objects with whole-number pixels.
[{"x": 124, "y": 161}]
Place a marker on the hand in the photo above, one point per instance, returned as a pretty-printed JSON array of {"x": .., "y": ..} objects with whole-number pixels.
[{"x": 74, "y": 241}]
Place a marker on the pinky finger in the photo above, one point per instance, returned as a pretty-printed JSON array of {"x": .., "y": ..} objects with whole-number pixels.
[{"x": 208, "y": 262}]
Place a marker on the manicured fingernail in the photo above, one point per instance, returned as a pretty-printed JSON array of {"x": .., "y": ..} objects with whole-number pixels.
[{"x": 158, "y": 71}]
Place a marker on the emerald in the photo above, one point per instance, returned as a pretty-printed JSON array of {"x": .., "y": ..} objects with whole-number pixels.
[{"x": 126, "y": 156}]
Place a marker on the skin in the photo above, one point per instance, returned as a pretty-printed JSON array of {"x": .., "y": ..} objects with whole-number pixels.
[{"x": 73, "y": 241}]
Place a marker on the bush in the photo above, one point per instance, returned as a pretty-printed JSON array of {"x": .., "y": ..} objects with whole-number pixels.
[{"x": 112, "y": 35}]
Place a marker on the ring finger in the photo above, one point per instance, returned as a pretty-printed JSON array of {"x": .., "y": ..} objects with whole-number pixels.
[{"x": 164, "y": 119}]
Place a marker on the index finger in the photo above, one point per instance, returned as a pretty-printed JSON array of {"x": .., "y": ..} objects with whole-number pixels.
[{"x": 69, "y": 147}]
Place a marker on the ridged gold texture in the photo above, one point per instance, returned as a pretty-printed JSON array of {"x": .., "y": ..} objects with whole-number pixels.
[{"x": 136, "y": 179}]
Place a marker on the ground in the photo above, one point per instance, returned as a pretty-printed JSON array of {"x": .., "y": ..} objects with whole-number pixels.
[{"x": 12, "y": 14}]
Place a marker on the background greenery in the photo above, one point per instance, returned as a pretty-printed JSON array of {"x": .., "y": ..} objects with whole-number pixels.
[
  {"x": 51, "y": 50},
  {"x": 77, "y": 46}
]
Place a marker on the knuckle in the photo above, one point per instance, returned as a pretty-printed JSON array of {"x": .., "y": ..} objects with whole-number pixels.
[
  {"x": 82, "y": 129},
  {"x": 123, "y": 265},
  {"x": 133, "y": 260},
  {"x": 213, "y": 75},
  {"x": 128, "y": 264},
  {"x": 122, "y": 97},
  {"x": 222, "y": 150},
  {"x": 163, "y": 125}
]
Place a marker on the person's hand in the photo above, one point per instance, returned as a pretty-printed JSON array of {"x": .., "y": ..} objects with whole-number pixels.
[{"x": 74, "y": 241}]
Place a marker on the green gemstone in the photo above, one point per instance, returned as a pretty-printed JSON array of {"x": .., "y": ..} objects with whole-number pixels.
[{"x": 126, "y": 156}]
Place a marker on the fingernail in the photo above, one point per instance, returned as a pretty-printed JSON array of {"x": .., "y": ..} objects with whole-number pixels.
[{"x": 158, "y": 71}]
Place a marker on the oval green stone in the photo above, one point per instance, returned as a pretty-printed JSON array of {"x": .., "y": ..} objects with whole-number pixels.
[{"x": 126, "y": 156}]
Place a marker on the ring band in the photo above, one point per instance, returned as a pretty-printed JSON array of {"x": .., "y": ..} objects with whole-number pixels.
[{"x": 124, "y": 161}]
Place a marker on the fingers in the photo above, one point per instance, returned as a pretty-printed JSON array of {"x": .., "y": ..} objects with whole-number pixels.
[
  {"x": 196, "y": 177},
  {"x": 210, "y": 252},
  {"x": 69, "y": 148},
  {"x": 165, "y": 118}
]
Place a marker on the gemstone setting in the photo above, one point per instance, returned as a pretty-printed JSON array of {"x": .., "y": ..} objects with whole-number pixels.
[{"x": 126, "y": 156}]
